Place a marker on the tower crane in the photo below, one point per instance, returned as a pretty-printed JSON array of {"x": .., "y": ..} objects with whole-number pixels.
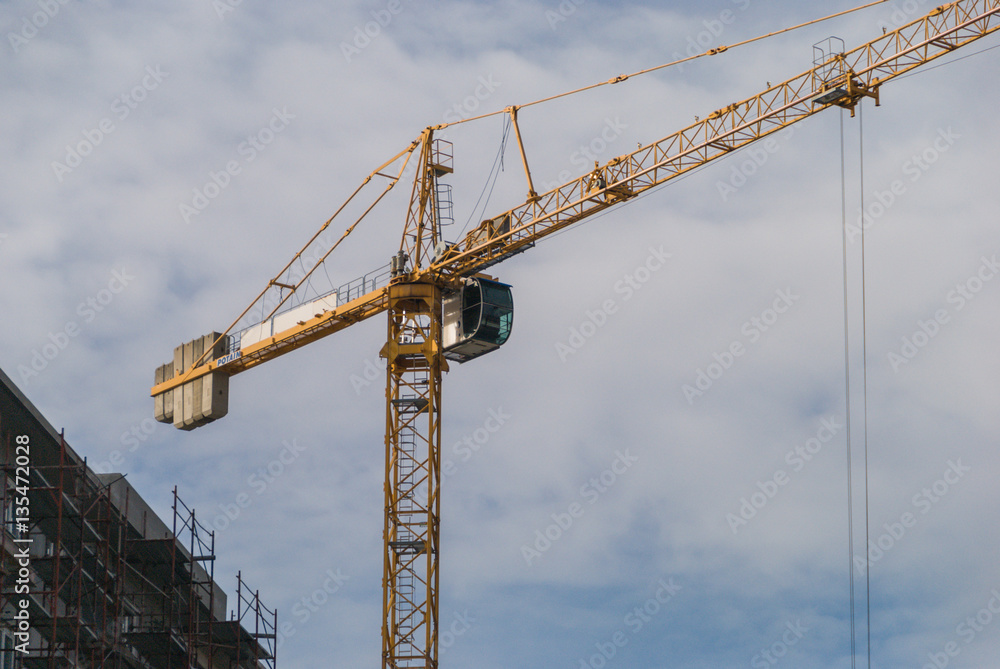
[{"x": 441, "y": 308}]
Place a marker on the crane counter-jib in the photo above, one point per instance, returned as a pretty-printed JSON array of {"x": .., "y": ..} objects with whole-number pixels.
[{"x": 176, "y": 391}]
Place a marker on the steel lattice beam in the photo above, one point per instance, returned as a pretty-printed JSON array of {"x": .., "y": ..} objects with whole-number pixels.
[
  {"x": 860, "y": 72},
  {"x": 412, "y": 477}
]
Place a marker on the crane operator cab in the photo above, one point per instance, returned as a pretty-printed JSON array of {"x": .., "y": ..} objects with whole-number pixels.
[{"x": 477, "y": 319}]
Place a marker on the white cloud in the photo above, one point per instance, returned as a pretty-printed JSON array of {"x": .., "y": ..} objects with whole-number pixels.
[{"x": 621, "y": 390}]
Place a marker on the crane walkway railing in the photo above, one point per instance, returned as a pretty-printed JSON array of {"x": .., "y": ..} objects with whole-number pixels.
[{"x": 366, "y": 283}]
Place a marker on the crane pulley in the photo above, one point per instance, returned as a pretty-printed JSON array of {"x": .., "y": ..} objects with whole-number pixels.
[{"x": 442, "y": 307}]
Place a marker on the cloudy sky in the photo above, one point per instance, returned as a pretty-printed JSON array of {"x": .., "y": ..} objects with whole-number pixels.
[{"x": 693, "y": 419}]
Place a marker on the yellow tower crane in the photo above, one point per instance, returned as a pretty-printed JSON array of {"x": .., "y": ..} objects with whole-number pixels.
[{"x": 442, "y": 308}]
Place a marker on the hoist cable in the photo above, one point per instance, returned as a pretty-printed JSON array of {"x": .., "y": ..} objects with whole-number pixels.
[
  {"x": 864, "y": 381},
  {"x": 491, "y": 180},
  {"x": 847, "y": 380}
]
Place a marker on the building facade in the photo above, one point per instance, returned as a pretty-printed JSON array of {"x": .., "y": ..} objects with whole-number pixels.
[{"x": 91, "y": 577}]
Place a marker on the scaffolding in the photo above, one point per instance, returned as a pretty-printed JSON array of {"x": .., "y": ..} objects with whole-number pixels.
[
  {"x": 111, "y": 585},
  {"x": 73, "y": 595},
  {"x": 253, "y": 629}
]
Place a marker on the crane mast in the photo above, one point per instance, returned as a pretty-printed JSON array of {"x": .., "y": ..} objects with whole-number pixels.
[
  {"x": 414, "y": 362},
  {"x": 427, "y": 273},
  {"x": 413, "y": 475}
]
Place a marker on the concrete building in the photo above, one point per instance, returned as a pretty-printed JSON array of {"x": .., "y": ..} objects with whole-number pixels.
[{"x": 91, "y": 577}]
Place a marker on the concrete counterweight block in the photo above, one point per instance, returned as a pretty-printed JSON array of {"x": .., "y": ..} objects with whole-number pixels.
[{"x": 199, "y": 401}]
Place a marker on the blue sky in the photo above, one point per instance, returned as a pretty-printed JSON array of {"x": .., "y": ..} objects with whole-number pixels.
[{"x": 102, "y": 270}]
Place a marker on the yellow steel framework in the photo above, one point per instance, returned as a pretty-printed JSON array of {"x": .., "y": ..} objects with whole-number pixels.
[
  {"x": 424, "y": 267},
  {"x": 414, "y": 362},
  {"x": 861, "y": 73},
  {"x": 845, "y": 79},
  {"x": 413, "y": 476}
]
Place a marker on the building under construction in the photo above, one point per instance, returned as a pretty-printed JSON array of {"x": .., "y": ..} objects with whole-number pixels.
[{"x": 92, "y": 577}]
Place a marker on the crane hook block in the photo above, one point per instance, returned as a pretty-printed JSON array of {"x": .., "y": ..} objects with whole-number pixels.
[{"x": 477, "y": 319}]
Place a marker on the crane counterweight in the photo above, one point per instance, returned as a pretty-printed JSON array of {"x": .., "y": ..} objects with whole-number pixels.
[{"x": 199, "y": 401}]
